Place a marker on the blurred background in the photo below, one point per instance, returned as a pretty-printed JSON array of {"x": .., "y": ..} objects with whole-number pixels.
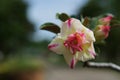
[{"x": 23, "y": 46}]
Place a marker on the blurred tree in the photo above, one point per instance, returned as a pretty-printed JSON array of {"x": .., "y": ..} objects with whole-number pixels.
[
  {"x": 109, "y": 52},
  {"x": 14, "y": 26},
  {"x": 97, "y": 7}
]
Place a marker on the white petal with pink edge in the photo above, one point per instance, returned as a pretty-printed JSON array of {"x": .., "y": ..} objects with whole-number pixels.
[
  {"x": 87, "y": 54},
  {"x": 71, "y": 26},
  {"x": 70, "y": 59},
  {"x": 89, "y": 34},
  {"x": 57, "y": 45}
]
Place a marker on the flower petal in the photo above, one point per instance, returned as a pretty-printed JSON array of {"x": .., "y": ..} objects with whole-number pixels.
[
  {"x": 87, "y": 54},
  {"x": 89, "y": 34},
  {"x": 57, "y": 45},
  {"x": 70, "y": 59},
  {"x": 73, "y": 62},
  {"x": 83, "y": 56},
  {"x": 71, "y": 26},
  {"x": 91, "y": 50}
]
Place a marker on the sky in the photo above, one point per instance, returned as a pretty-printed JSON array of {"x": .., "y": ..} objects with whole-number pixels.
[{"x": 41, "y": 11}]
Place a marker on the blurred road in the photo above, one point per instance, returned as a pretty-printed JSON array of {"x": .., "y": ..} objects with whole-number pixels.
[{"x": 82, "y": 74}]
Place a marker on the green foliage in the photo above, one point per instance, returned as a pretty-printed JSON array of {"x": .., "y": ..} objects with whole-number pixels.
[
  {"x": 86, "y": 21},
  {"x": 14, "y": 26},
  {"x": 63, "y": 16},
  {"x": 110, "y": 51},
  {"x": 93, "y": 23},
  {"x": 20, "y": 64},
  {"x": 53, "y": 27},
  {"x": 50, "y": 27},
  {"x": 97, "y": 7}
]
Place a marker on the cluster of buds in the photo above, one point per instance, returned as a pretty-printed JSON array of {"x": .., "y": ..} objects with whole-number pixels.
[{"x": 102, "y": 29}]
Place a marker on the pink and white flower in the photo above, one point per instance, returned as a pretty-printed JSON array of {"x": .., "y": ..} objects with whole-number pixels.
[{"x": 74, "y": 42}]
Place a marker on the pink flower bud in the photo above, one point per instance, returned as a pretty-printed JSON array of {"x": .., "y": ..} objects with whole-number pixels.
[
  {"x": 106, "y": 20},
  {"x": 102, "y": 32},
  {"x": 102, "y": 29}
]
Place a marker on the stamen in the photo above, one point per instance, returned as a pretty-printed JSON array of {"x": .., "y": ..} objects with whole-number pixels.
[{"x": 74, "y": 42}]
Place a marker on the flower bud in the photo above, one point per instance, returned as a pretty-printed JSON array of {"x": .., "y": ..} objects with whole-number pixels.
[
  {"x": 106, "y": 20},
  {"x": 101, "y": 31}
]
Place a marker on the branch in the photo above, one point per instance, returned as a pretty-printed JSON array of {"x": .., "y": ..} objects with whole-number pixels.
[{"x": 103, "y": 65}]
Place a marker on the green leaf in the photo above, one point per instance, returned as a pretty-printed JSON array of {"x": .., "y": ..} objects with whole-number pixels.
[
  {"x": 86, "y": 21},
  {"x": 19, "y": 64},
  {"x": 100, "y": 42},
  {"x": 50, "y": 27},
  {"x": 115, "y": 23},
  {"x": 93, "y": 23},
  {"x": 63, "y": 16}
]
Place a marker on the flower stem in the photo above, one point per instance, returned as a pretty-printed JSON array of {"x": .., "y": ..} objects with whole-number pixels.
[{"x": 102, "y": 65}]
